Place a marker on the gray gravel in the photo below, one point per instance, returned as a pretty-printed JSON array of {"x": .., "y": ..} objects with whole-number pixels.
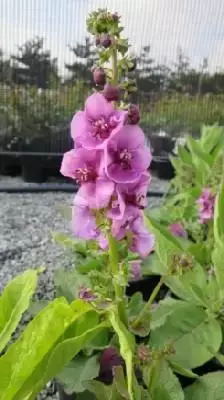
[{"x": 26, "y": 223}]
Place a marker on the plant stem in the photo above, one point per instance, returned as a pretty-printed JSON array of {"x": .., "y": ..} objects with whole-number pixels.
[
  {"x": 149, "y": 302},
  {"x": 119, "y": 291},
  {"x": 114, "y": 65}
]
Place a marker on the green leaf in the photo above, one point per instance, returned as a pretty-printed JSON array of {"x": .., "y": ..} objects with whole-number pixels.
[
  {"x": 165, "y": 308},
  {"x": 184, "y": 286},
  {"x": 191, "y": 333},
  {"x": 120, "y": 382},
  {"x": 90, "y": 264},
  {"x": 166, "y": 244},
  {"x": 163, "y": 384},
  {"x": 85, "y": 396},
  {"x": 178, "y": 369},
  {"x": 218, "y": 262},
  {"x": 23, "y": 356},
  {"x": 184, "y": 155},
  {"x": 14, "y": 301},
  {"x": 201, "y": 160},
  {"x": 70, "y": 243},
  {"x": 219, "y": 217},
  {"x": 60, "y": 356},
  {"x": 127, "y": 347},
  {"x": 68, "y": 283},
  {"x": 211, "y": 136},
  {"x": 79, "y": 370},
  {"x": 135, "y": 306},
  {"x": 101, "y": 391},
  {"x": 152, "y": 265},
  {"x": 200, "y": 252},
  {"x": 36, "y": 306},
  {"x": 208, "y": 387}
]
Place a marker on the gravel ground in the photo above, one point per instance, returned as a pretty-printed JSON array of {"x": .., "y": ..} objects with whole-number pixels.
[{"x": 26, "y": 223}]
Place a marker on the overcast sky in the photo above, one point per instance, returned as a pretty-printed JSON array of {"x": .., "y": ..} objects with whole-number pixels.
[{"x": 195, "y": 25}]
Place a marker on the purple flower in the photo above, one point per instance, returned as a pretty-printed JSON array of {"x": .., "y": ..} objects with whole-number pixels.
[
  {"x": 126, "y": 156},
  {"x": 143, "y": 242},
  {"x": 133, "y": 114},
  {"x": 86, "y": 294},
  {"x": 99, "y": 76},
  {"x": 111, "y": 92},
  {"x": 132, "y": 226},
  {"x": 83, "y": 223},
  {"x": 85, "y": 167},
  {"x": 135, "y": 270},
  {"x": 177, "y": 229},
  {"x": 130, "y": 194},
  {"x": 81, "y": 165},
  {"x": 206, "y": 206},
  {"x": 99, "y": 121}
]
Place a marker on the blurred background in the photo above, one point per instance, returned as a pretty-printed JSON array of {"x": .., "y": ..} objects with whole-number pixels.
[{"x": 46, "y": 56}]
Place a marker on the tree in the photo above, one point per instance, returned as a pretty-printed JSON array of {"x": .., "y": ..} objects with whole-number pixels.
[
  {"x": 33, "y": 65},
  {"x": 145, "y": 70},
  {"x": 5, "y": 68},
  {"x": 85, "y": 57}
]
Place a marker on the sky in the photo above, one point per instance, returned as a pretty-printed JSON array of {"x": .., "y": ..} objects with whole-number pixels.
[{"x": 194, "y": 25}]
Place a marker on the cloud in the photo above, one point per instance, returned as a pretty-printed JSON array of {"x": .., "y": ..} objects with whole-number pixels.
[{"x": 195, "y": 25}]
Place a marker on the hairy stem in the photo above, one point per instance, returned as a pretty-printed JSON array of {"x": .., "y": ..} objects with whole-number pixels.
[
  {"x": 114, "y": 65},
  {"x": 119, "y": 290}
]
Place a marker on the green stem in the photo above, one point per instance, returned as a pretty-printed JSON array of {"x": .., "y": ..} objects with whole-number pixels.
[
  {"x": 119, "y": 291},
  {"x": 114, "y": 66},
  {"x": 149, "y": 302}
]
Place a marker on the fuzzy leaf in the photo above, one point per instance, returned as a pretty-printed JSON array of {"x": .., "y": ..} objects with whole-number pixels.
[
  {"x": 208, "y": 387},
  {"x": 79, "y": 370},
  {"x": 191, "y": 333},
  {"x": 14, "y": 301},
  {"x": 127, "y": 346},
  {"x": 163, "y": 384}
]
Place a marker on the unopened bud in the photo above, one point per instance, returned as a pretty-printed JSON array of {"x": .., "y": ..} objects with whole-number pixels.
[
  {"x": 99, "y": 76},
  {"x": 144, "y": 354},
  {"x": 111, "y": 92},
  {"x": 105, "y": 40},
  {"x": 133, "y": 114},
  {"x": 97, "y": 40}
]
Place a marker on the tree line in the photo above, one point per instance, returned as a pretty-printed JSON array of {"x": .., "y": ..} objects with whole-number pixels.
[{"x": 32, "y": 65}]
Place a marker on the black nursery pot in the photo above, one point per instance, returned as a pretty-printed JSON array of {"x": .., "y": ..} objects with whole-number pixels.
[
  {"x": 161, "y": 145},
  {"x": 165, "y": 169},
  {"x": 32, "y": 170}
]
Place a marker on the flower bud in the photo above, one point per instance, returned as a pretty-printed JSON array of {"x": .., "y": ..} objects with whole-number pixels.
[
  {"x": 97, "y": 41},
  {"x": 86, "y": 294},
  {"x": 111, "y": 92},
  {"x": 144, "y": 354},
  {"x": 133, "y": 114},
  {"x": 105, "y": 41},
  {"x": 99, "y": 76},
  {"x": 135, "y": 270},
  {"x": 115, "y": 17}
]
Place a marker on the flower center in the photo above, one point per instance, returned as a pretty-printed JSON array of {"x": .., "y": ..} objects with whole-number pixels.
[
  {"x": 83, "y": 175},
  {"x": 102, "y": 128},
  {"x": 125, "y": 158}
]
